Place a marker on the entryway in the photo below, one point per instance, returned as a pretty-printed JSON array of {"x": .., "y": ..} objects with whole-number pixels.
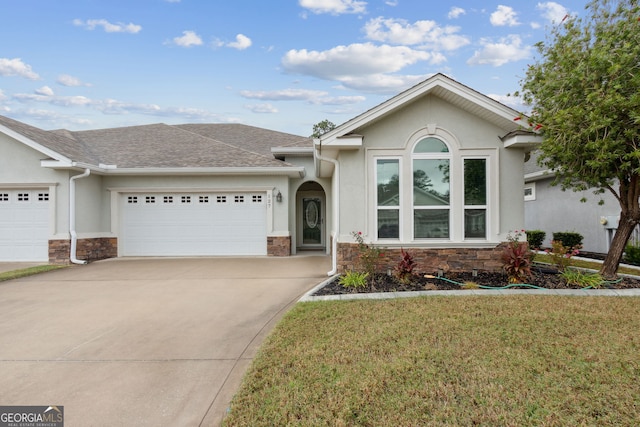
[{"x": 311, "y": 211}]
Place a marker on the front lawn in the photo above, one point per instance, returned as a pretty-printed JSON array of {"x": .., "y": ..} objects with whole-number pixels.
[{"x": 473, "y": 360}]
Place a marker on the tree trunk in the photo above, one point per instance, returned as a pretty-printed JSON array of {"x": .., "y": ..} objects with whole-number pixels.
[{"x": 626, "y": 226}]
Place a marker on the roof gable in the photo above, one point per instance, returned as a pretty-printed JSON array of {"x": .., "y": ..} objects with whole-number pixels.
[{"x": 438, "y": 85}]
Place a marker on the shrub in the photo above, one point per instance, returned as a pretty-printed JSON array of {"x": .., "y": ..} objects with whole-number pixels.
[
  {"x": 404, "y": 269},
  {"x": 369, "y": 256},
  {"x": 535, "y": 238},
  {"x": 354, "y": 280},
  {"x": 632, "y": 254},
  {"x": 569, "y": 239},
  {"x": 516, "y": 258},
  {"x": 561, "y": 254},
  {"x": 582, "y": 278}
]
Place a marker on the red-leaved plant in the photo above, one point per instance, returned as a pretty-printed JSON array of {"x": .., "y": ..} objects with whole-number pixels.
[
  {"x": 517, "y": 258},
  {"x": 404, "y": 268}
]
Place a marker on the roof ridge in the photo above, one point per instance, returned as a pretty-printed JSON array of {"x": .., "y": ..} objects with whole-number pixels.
[{"x": 232, "y": 145}]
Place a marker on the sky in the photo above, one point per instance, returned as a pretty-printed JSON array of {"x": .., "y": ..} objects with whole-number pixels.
[{"x": 280, "y": 64}]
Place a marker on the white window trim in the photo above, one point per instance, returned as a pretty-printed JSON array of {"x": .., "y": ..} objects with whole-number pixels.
[
  {"x": 532, "y": 196},
  {"x": 456, "y": 203}
]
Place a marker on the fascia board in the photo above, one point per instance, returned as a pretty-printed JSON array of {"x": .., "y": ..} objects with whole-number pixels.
[
  {"x": 523, "y": 141},
  {"x": 292, "y": 151},
  {"x": 537, "y": 176},
  {"x": 293, "y": 172},
  {"x": 32, "y": 144}
]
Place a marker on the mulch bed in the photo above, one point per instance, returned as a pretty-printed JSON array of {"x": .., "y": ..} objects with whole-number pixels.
[{"x": 542, "y": 277}]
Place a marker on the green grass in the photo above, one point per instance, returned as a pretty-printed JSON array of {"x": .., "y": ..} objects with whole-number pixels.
[
  {"x": 448, "y": 361},
  {"x": 543, "y": 258},
  {"x": 24, "y": 272}
]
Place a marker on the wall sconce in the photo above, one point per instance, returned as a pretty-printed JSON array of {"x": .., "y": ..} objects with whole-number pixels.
[
  {"x": 279, "y": 197},
  {"x": 474, "y": 272}
]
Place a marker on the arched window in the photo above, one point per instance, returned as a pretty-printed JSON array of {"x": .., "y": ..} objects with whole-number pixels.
[{"x": 431, "y": 167}]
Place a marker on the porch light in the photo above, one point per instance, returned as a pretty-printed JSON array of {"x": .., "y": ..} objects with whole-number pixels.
[
  {"x": 279, "y": 197},
  {"x": 474, "y": 272}
]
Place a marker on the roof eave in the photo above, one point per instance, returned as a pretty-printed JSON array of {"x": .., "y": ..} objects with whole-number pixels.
[{"x": 32, "y": 144}]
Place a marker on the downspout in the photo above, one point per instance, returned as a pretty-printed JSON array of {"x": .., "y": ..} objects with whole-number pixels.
[
  {"x": 336, "y": 211},
  {"x": 72, "y": 216}
]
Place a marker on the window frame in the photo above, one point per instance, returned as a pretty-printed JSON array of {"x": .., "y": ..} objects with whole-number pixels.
[
  {"x": 377, "y": 206},
  {"x": 456, "y": 187},
  {"x": 431, "y": 156}
]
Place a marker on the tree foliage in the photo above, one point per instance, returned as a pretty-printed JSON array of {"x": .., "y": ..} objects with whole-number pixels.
[
  {"x": 585, "y": 94},
  {"x": 321, "y": 128}
]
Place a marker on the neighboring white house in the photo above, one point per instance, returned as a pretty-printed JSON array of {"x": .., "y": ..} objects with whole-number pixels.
[{"x": 436, "y": 169}]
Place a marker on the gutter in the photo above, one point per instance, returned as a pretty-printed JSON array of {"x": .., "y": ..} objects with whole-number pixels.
[
  {"x": 336, "y": 210},
  {"x": 72, "y": 216}
]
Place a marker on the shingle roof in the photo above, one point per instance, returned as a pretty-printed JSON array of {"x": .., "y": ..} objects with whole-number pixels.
[
  {"x": 165, "y": 146},
  {"x": 58, "y": 142}
]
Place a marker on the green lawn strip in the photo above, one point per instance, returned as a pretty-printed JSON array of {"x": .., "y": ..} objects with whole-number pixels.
[
  {"x": 542, "y": 258},
  {"x": 24, "y": 272},
  {"x": 516, "y": 360}
]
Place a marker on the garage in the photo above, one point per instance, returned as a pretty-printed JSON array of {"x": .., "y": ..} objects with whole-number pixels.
[
  {"x": 24, "y": 225},
  {"x": 193, "y": 224}
]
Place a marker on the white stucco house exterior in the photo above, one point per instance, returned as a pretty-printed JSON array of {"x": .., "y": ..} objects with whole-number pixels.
[{"x": 437, "y": 169}]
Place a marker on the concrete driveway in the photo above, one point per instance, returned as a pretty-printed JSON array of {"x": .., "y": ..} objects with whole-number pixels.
[{"x": 145, "y": 342}]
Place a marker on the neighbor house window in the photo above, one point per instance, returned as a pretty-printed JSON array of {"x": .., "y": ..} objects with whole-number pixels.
[
  {"x": 475, "y": 198},
  {"x": 388, "y": 199},
  {"x": 530, "y": 192},
  {"x": 431, "y": 189}
]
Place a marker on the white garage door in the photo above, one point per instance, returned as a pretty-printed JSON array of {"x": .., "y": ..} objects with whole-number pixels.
[
  {"x": 24, "y": 225},
  {"x": 193, "y": 224}
]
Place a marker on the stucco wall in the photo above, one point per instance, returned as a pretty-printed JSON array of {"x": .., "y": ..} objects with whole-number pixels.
[
  {"x": 555, "y": 210},
  {"x": 20, "y": 164},
  {"x": 396, "y": 131}
]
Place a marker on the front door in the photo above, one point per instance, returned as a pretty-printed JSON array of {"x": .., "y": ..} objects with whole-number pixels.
[{"x": 312, "y": 222}]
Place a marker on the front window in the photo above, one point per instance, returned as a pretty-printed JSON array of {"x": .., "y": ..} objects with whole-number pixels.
[
  {"x": 475, "y": 198},
  {"x": 431, "y": 190},
  {"x": 388, "y": 199}
]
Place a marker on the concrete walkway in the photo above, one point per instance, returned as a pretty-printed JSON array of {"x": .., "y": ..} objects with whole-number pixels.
[{"x": 144, "y": 342}]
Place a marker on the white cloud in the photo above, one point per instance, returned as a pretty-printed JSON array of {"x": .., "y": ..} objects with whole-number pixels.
[
  {"x": 242, "y": 42},
  {"x": 355, "y": 60},
  {"x": 515, "y": 102},
  {"x": 15, "y": 67},
  {"x": 107, "y": 26},
  {"x": 44, "y": 91},
  {"x": 188, "y": 39},
  {"x": 115, "y": 107},
  {"x": 455, "y": 12},
  {"x": 382, "y": 83},
  {"x": 283, "y": 95},
  {"x": 507, "y": 49},
  {"x": 504, "y": 16},
  {"x": 316, "y": 97},
  {"x": 426, "y": 33},
  {"x": 391, "y": 3},
  {"x": 334, "y": 7},
  {"x": 262, "y": 108},
  {"x": 552, "y": 11},
  {"x": 338, "y": 100},
  {"x": 67, "y": 80},
  {"x": 2, "y": 95}
]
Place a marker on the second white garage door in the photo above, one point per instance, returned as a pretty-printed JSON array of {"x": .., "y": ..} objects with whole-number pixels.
[{"x": 193, "y": 224}]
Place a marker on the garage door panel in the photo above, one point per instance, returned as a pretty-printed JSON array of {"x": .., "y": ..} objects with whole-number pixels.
[
  {"x": 24, "y": 225},
  {"x": 194, "y": 225}
]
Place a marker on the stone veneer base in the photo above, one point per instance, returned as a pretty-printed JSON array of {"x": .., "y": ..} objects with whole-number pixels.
[
  {"x": 279, "y": 246},
  {"x": 428, "y": 260},
  {"x": 86, "y": 249}
]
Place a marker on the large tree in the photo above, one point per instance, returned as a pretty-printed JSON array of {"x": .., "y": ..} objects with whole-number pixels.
[{"x": 584, "y": 91}]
